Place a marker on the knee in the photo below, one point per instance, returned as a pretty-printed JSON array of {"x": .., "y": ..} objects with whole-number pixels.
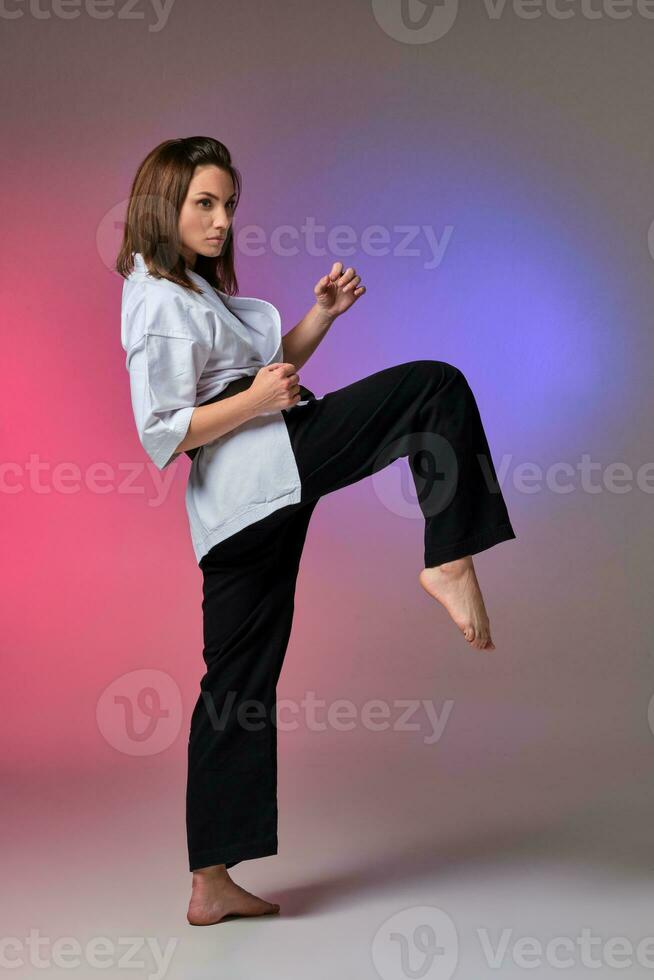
[{"x": 439, "y": 371}]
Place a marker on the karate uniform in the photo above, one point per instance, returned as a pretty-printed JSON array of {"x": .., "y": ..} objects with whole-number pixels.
[
  {"x": 423, "y": 410},
  {"x": 182, "y": 349}
]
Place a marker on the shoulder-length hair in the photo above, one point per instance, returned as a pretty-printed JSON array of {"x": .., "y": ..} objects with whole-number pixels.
[{"x": 155, "y": 201}]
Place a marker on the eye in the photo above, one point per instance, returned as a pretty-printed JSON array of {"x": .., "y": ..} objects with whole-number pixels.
[{"x": 230, "y": 204}]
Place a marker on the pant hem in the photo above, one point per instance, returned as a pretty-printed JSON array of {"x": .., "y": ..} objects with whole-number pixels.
[
  {"x": 469, "y": 546},
  {"x": 229, "y": 856}
]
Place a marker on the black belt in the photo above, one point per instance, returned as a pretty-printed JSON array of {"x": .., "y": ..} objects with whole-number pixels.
[{"x": 233, "y": 388}]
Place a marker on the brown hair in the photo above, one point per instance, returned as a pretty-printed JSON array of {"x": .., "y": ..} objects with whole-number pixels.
[{"x": 155, "y": 201}]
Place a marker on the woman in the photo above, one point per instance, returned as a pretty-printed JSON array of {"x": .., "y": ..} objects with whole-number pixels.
[{"x": 210, "y": 376}]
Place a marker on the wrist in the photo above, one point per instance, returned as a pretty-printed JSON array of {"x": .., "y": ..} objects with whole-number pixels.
[
  {"x": 324, "y": 318},
  {"x": 249, "y": 404}
]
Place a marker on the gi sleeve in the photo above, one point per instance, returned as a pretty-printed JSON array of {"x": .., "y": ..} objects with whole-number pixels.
[{"x": 170, "y": 343}]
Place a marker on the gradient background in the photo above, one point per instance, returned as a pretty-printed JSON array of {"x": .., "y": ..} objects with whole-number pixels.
[{"x": 533, "y": 139}]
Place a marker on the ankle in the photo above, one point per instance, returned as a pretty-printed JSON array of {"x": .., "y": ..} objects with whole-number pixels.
[
  {"x": 454, "y": 567},
  {"x": 213, "y": 871}
]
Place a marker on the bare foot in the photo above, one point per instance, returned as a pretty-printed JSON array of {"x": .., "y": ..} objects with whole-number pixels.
[
  {"x": 215, "y": 896},
  {"x": 455, "y": 586}
]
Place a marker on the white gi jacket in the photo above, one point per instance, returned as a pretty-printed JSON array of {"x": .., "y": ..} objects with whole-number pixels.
[{"x": 182, "y": 348}]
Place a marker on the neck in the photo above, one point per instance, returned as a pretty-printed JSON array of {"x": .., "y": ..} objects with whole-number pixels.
[{"x": 189, "y": 258}]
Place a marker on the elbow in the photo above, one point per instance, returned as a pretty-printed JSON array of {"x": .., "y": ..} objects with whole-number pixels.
[
  {"x": 161, "y": 452},
  {"x": 163, "y": 442}
]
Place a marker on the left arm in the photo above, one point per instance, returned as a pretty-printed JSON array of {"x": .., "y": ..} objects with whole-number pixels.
[
  {"x": 300, "y": 342},
  {"x": 334, "y": 294}
]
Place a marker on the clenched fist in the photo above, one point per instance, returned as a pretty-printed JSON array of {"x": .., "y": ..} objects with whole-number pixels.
[{"x": 275, "y": 386}]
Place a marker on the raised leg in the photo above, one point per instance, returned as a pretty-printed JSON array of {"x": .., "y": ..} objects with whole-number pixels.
[{"x": 425, "y": 411}]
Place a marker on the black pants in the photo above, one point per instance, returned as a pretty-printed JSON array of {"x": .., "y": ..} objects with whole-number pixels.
[{"x": 423, "y": 410}]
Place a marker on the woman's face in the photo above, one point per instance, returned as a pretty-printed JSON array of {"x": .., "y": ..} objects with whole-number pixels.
[{"x": 207, "y": 213}]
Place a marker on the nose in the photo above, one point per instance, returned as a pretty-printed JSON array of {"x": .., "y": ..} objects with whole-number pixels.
[{"x": 222, "y": 219}]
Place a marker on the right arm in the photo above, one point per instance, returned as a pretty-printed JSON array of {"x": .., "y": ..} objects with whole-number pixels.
[
  {"x": 274, "y": 387},
  {"x": 168, "y": 344}
]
